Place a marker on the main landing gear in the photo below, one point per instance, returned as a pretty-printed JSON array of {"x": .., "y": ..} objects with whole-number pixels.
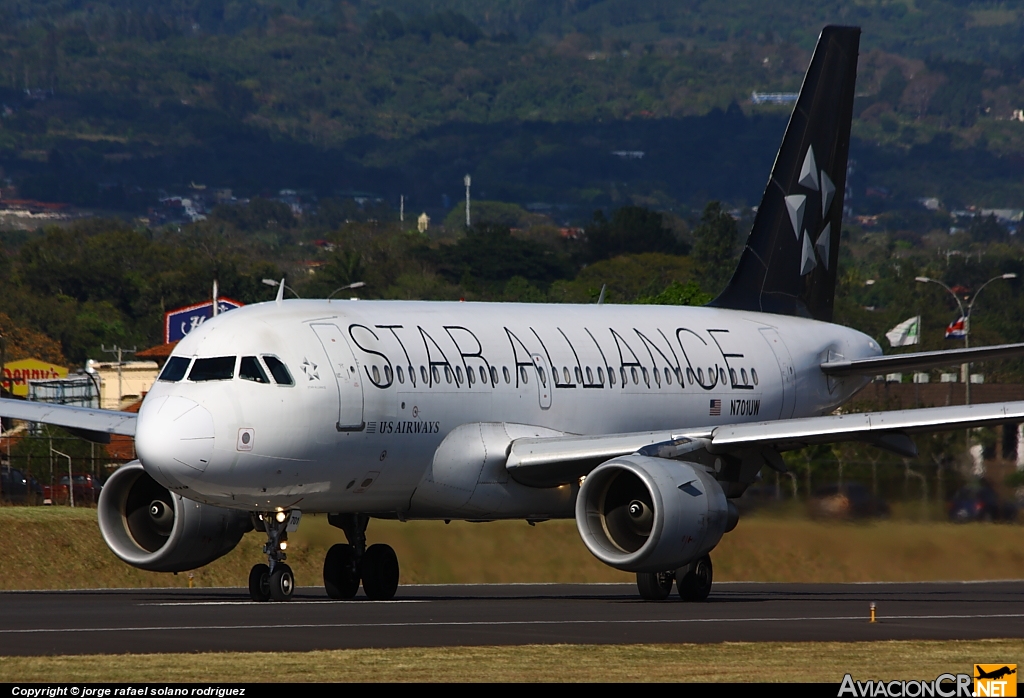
[
  {"x": 349, "y": 563},
  {"x": 693, "y": 582},
  {"x": 345, "y": 566},
  {"x": 275, "y": 580}
]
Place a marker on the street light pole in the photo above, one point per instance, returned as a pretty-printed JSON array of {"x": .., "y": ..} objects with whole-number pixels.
[
  {"x": 466, "y": 180},
  {"x": 966, "y": 315}
]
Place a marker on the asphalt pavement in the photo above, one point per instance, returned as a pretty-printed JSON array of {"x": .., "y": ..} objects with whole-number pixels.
[{"x": 199, "y": 620}]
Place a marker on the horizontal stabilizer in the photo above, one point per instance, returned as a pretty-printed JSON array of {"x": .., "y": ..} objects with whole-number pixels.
[
  {"x": 878, "y": 365},
  {"x": 75, "y": 419}
]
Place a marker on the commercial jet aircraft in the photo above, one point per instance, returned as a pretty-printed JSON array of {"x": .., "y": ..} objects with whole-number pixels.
[{"x": 643, "y": 423}]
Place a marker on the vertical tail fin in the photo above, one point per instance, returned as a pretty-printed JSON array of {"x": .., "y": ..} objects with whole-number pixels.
[{"x": 788, "y": 265}]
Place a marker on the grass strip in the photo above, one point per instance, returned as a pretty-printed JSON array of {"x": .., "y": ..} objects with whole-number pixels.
[{"x": 730, "y": 661}]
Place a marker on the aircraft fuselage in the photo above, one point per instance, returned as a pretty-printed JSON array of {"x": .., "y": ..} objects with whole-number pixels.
[{"x": 378, "y": 385}]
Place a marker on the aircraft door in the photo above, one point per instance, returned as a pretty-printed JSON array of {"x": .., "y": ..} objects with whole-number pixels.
[
  {"x": 543, "y": 380},
  {"x": 345, "y": 369},
  {"x": 785, "y": 362}
]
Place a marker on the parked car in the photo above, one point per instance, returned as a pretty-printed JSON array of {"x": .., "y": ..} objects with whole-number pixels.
[
  {"x": 18, "y": 487},
  {"x": 847, "y": 500},
  {"x": 86, "y": 490},
  {"x": 978, "y": 501}
]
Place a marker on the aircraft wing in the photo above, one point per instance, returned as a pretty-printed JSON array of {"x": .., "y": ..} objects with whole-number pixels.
[
  {"x": 920, "y": 360},
  {"x": 90, "y": 424},
  {"x": 546, "y": 462}
]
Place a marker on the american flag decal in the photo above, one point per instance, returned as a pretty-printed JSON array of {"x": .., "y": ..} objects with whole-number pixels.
[{"x": 716, "y": 408}]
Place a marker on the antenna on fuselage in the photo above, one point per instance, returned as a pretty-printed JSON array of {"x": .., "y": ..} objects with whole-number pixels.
[
  {"x": 600, "y": 299},
  {"x": 280, "y": 292}
]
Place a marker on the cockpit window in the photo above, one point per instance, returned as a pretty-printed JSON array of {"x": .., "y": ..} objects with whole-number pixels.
[
  {"x": 278, "y": 370},
  {"x": 174, "y": 369},
  {"x": 220, "y": 368},
  {"x": 250, "y": 370}
]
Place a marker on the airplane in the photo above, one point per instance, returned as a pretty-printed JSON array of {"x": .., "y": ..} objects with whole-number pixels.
[
  {"x": 644, "y": 423},
  {"x": 994, "y": 674}
]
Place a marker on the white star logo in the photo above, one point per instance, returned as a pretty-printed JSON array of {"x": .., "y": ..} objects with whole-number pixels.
[
  {"x": 796, "y": 204},
  {"x": 309, "y": 368}
]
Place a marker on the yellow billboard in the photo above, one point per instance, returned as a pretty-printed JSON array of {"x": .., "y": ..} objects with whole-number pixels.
[{"x": 17, "y": 374}]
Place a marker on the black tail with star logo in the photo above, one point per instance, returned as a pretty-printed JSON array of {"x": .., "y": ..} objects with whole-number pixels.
[{"x": 788, "y": 265}]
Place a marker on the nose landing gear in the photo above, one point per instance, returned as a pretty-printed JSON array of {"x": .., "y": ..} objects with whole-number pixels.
[
  {"x": 273, "y": 581},
  {"x": 348, "y": 564}
]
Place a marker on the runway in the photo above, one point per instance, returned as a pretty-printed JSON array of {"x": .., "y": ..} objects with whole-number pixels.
[{"x": 191, "y": 620}]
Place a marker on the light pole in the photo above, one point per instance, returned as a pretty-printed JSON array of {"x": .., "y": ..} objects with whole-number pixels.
[
  {"x": 275, "y": 283},
  {"x": 466, "y": 180},
  {"x": 966, "y": 315},
  {"x": 71, "y": 478},
  {"x": 357, "y": 284}
]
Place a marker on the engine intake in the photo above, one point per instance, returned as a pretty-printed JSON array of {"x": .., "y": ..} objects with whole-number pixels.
[
  {"x": 644, "y": 514},
  {"x": 153, "y": 529}
]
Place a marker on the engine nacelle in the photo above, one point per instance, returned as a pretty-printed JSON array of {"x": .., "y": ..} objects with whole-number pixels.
[
  {"x": 643, "y": 514},
  {"x": 151, "y": 528}
]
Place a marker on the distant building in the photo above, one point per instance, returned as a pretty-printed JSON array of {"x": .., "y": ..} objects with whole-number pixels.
[
  {"x": 773, "y": 97},
  {"x": 124, "y": 384},
  {"x": 423, "y": 222}
]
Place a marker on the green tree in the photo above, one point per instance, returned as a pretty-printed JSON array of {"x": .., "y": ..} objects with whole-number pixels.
[{"x": 714, "y": 246}]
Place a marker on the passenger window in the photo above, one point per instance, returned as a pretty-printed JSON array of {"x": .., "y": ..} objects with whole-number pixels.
[
  {"x": 376, "y": 374},
  {"x": 543, "y": 376},
  {"x": 523, "y": 375},
  {"x": 278, "y": 370},
  {"x": 657, "y": 377},
  {"x": 611, "y": 375},
  {"x": 721, "y": 375},
  {"x": 600, "y": 375},
  {"x": 423, "y": 374},
  {"x": 743, "y": 375},
  {"x": 753, "y": 375},
  {"x": 220, "y": 368},
  {"x": 458, "y": 374},
  {"x": 435, "y": 374},
  {"x": 579, "y": 375},
  {"x": 732, "y": 375},
  {"x": 565, "y": 374},
  {"x": 668, "y": 377},
  {"x": 448, "y": 374},
  {"x": 412, "y": 376},
  {"x": 494, "y": 375},
  {"x": 401, "y": 378},
  {"x": 175, "y": 369},
  {"x": 508, "y": 378},
  {"x": 590, "y": 375},
  {"x": 250, "y": 370},
  {"x": 387, "y": 374},
  {"x": 700, "y": 376},
  {"x": 470, "y": 376},
  {"x": 622, "y": 374},
  {"x": 636, "y": 379}
]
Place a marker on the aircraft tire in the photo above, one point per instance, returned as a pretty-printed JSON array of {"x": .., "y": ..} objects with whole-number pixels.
[
  {"x": 654, "y": 586},
  {"x": 340, "y": 576},
  {"x": 379, "y": 570},
  {"x": 259, "y": 583},
  {"x": 695, "y": 585},
  {"x": 282, "y": 583}
]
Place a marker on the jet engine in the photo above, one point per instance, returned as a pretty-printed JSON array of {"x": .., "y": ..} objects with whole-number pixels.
[
  {"x": 643, "y": 514},
  {"x": 154, "y": 529}
]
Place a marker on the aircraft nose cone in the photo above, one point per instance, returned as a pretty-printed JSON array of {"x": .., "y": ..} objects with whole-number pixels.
[{"x": 174, "y": 438}]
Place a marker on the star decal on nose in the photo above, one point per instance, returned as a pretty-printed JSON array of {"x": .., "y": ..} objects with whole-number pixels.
[
  {"x": 796, "y": 204},
  {"x": 310, "y": 369}
]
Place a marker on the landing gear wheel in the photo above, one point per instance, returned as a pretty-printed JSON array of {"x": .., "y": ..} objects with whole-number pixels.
[
  {"x": 654, "y": 586},
  {"x": 282, "y": 583},
  {"x": 341, "y": 579},
  {"x": 259, "y": 583},
  {"x": 695, "y": 585},
  {"x": 379, "y": 568}
]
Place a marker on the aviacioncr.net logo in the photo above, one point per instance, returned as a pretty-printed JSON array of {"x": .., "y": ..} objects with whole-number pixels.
[{"x": 943, "y": 686}]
